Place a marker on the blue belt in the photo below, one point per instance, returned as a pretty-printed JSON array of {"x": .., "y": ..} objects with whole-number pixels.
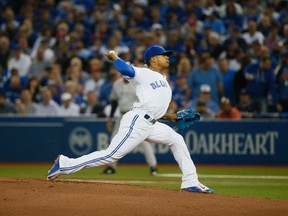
[{"x": 150, "y": 119}]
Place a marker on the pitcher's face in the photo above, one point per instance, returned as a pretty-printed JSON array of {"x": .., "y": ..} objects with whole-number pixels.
[{"x": 162, "y": 61}]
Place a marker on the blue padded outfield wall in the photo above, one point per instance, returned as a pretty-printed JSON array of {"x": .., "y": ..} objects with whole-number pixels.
[{"x": 261, "y": 142}]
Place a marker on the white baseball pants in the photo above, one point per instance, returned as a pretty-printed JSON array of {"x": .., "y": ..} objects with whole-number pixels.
[{"x": 134, "y": 129}]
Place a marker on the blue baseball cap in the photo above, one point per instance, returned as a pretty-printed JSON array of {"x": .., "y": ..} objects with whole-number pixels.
[{"x": 155, "y": 50}]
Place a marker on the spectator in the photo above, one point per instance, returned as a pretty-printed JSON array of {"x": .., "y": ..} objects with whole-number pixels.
[
  {"x": 172, "y": 21},
  {"x": 13, "y": 86},
  {"x": 227, "y": 111},
  {"x": 72, "y": 52},
  {"x": 252, "y": 12},
  {"x": 47, "y": 107},
  {"x": 95, "y": 47},
  {"x": 83, "y": 34},
  {"x": 158, "y": 32},
  {"x": 83, "y": 53},
  {"x": 3, "y": 79},
  {"x": 205, "y": 112},
  {"x": 68, "y": 108},
  {"x": 265, "y": 52},
  {"x": 265, "y": 25},
  {"x": 255, "y": 50},
  {"x": 138, "y": 18},
  {"x": 205, "y": 95},
  {"x": 103, "y": 30},
  {"x": 92, "y": 106},
  {"x": 205, "y": 73},
  {"x": 56, "y": 90},
  {"x": 96, "y": 80},
  {"x": 282, "y": 81},
  {"x": 39, "y": 64},
  {"x": 228, "y": 78},
  {"x": 76, "y": 71},
  {"x": 247, "y": 108},
  {"x": 203, "y": 40},
  {"x": 76, "y": 91},
  {"x": 106, "y": 88},
  {"x": 184, "y": 67},
  {"x": 52, "y": 74},
  {"x": 237, "y": 35},
  {"x": 273, "y": 38},
  {"x": 193, "y": 27},
  {"x": 283, "y": 7},
  {"x": 176, "y": 8},
  {"x": 234, "y": 42},
  {"x": 25, "y": 105},
  {"x": 231, "y": 13},
  {"x": 117, "y": 17},
  {"x": 48, "y": 53},
  {"x": 284, "y": 39},
  {"x": 272, "y": 12},
  {"x": 261, "y": 82},
  {"x": 33, "y": 86},
  {"x": 4, "y": 52},
  {"x": 114, "y": 43},
  {"x": 46, "y": 34},
  {"x": 62, "y": 32},
  {"x": 26, "y": 36},
  {"x": 174, "y": 42},
  {"x": 76, "y": 74},
  {"x": 214, "y": 22},
  {"x": 240, "y": 81},
  {"x": 230, "y": 7},
  {"x": 44, "y": 22},
  {"x": 179, "y": 91},
  {"x": 10, "y": 24},
  {"x": 213, "y": 44},
  {"x": 6, "y": 107},
  {"x": 155, "y": 15},
  {"x": 19, "y": 61},
  {"x": 252, "y": 34}
]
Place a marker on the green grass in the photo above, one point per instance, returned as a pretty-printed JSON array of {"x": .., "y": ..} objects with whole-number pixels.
[{"x": 254, "y": 187}]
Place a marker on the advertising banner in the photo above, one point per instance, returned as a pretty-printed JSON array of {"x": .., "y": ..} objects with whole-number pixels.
[{"x": 261, "y": 142}]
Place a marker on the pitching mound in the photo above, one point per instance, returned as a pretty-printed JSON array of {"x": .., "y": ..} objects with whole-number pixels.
[{"x": 41, "y": 197}]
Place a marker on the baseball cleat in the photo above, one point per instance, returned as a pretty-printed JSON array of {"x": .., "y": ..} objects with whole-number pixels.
[
  {"x": 199, "y": 189},
  {"x": 54, "y": 172},
  {"x": 109, "y": 170},
  {"x": 153, "y": 170}
]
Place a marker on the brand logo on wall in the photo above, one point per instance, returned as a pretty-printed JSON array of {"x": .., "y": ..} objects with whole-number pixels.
[{"x": 80, "y": 141}]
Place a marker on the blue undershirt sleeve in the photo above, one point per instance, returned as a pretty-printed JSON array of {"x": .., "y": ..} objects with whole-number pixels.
[{"x": 124, "y": 68}]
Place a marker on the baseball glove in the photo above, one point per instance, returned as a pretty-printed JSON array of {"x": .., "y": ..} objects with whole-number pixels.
[{"x": 187, "y": 117}]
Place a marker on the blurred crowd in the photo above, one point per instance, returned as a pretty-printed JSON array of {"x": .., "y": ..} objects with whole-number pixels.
[{"x": 230, "y": 58}]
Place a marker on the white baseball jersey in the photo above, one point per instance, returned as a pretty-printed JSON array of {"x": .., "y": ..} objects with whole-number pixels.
[
  {"x": 153, "y": 92},
  {"x": 124, "y": 93}
]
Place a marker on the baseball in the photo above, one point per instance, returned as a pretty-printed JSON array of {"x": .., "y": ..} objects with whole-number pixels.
[{"x": 111, "y": 52}]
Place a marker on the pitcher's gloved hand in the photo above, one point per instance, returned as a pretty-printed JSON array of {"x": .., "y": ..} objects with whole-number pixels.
[{"x": 187, "y": 117}]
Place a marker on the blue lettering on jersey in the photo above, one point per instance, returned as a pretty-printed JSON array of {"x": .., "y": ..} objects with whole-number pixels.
[{"x": 158, "y": 84}]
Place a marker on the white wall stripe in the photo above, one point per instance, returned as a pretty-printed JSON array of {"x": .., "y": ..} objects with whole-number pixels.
[{"x": 178, "y": 175}]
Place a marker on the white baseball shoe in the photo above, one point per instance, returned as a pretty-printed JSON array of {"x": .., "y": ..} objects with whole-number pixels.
[
  {"x": 54, "y": 172},
  {"x": 200, "y": 188}
]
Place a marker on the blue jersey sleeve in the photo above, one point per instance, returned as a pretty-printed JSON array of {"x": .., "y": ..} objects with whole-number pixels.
[{"x": 124, "y": 68}]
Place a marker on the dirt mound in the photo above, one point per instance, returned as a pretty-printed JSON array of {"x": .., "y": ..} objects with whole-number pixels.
[{"x": 41, "y": 197}]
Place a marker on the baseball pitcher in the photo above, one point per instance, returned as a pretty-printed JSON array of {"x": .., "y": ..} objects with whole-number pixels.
[{"x": 140, "y": 123}]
